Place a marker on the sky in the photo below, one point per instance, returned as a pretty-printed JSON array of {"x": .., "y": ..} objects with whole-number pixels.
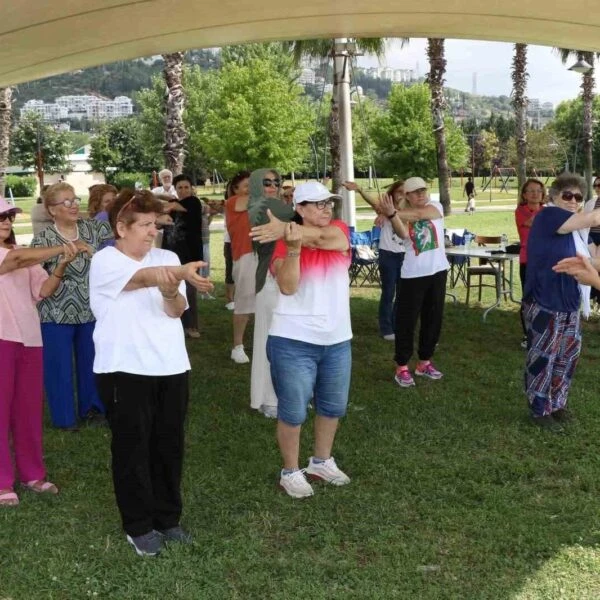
[{"x": 549, "y": 80}]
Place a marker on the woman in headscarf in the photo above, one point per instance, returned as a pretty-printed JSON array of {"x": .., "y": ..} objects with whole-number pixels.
[{"x": 265, "y": 185}]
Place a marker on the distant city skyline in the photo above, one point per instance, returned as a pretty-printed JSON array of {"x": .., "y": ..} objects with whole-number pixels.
[{"x": 549, "y": 80}]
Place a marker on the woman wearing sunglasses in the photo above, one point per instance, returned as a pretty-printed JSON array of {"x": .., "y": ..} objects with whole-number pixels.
[
  {"x": 552, "y": 301},
  {"x": 23, "y": 283},
  {"x": 265, "y": 187},
  {"x": 66, "y": 316}
]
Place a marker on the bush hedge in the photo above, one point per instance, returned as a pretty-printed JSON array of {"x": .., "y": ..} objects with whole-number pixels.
[
  {"x": 121, "y": 180},
  {"x": 21, "y": 186}
]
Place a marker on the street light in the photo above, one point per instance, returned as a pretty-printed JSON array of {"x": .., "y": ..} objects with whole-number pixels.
[{"x": 581, "y": 66}]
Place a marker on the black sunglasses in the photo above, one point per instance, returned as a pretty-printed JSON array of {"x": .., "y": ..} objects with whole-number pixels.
[
  {"x": 269, "y": 182},
  {"x": 571, "y": 195},
  {"x": 9, "y": 216}
]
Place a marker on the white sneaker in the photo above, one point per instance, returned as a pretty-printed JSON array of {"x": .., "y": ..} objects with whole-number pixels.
[
  {"x": 295, "y": 485},
  {"x": 206, "y": 296},
  {"x": 230, "y": 305},
  {"x": 327, "y": 471},
  {"x": 239, "y": 356},
  {"x": 269, "y": 411},
  {"x": 390, "y": 337}
]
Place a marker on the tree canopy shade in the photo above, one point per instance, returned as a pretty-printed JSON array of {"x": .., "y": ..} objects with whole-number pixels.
[{"x": 39, "y": 38}]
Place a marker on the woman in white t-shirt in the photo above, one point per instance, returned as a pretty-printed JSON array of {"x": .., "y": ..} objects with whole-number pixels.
[
  {"x": 391, "y": 256},
  {"x": 420, "y": 223},
  {"x": 138, "y": 294}
]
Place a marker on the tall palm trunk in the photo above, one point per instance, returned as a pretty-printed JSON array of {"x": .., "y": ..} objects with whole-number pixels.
[
  {"x": 587, "y": 89},
  {"x": 175, "y": 133},
  {"x": 334, "y": 145},
  {"x": 519, "y": 102},
  {"x": 435, "y": 80},
  {"x": 5, "y": 122}
]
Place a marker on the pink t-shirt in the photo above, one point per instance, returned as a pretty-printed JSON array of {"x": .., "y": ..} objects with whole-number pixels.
[{"x": 19, "y": 293}]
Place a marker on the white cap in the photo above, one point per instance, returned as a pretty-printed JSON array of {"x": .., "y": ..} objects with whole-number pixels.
[
  {"x": 312, "y": 191},
  {"x": 414, "y": 183}
]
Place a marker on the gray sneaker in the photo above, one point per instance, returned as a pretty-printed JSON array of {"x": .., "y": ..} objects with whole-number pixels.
[
  {"x": 176, "y": 534},
  {"x": 149, "y": 544}
]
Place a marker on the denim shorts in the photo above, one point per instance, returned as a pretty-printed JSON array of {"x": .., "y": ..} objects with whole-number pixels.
[{"x": 301, "y": 371}]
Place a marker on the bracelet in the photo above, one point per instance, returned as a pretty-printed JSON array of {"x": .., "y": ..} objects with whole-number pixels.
[
  {"x": 293, "y": 254},
  {"x": 392, "y": 215},
  {"x": 171, "y": 297},
  {"x": 57, "y": 276}
]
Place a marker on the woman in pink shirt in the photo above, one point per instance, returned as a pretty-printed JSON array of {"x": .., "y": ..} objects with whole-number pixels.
[
  {"x": 531, "y": 201},
  {"x": 22, "y": 284}
]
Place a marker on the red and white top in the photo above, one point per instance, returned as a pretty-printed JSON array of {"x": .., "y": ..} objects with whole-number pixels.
[{"x": 319, "y": 311}]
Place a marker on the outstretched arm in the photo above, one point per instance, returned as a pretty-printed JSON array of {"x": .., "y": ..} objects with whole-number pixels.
[
  {"x": 155, "y": 276},
  {"x": 21, "y": 258},
  {"x": 353, "y": 187},
  {"x": 580, "y": 267}
]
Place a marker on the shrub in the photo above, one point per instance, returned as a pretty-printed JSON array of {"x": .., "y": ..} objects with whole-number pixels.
[
  {"x": 121, "y": 180},
  {"x": 21, "y": 186}
]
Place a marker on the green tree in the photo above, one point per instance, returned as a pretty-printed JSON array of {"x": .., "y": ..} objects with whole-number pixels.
[
  {"x": 38, "y": 144},
  {"x": 261, "y": 120},
  {"x": 405, "y": 140},
  {"x": 118, "y": 146},
  {"x": 519, "y": 101},
  {"x": 174, "y": 127},
  {"x": 544, "y": 151},
  {"x": 487, "y": 150}
]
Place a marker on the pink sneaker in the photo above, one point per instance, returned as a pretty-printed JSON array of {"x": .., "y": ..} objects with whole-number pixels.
[
  {"x": 426, "y": 369},
  {"x": 403, "y": 377}
]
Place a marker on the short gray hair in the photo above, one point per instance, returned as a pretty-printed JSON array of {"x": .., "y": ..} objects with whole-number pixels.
[{"x": 565, "y": 181}]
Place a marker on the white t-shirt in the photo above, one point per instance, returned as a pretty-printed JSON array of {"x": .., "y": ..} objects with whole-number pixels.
[
  {"x": 133, "y": 333},
  {"x": 161, "y": 190},
  {"x": 226, "y": 236},
  {"x": 425, "y": 250},
  {"x": 319, "y": 311},
  {"x": 389, "y": 239}
]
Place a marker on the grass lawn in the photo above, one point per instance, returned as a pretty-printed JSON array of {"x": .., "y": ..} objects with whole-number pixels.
[{"x": 453, "y": 495}]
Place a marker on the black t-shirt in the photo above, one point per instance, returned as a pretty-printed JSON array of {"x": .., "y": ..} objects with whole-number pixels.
[
  {"x": 184, "y": 237},
  {"x": 469, "y": 188}
]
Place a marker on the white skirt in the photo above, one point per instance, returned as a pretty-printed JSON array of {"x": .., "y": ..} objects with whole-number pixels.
[{"x": 261, "y": 387}]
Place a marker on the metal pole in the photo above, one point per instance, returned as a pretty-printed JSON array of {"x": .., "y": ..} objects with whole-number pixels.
[{"x": 342, "y": 69}]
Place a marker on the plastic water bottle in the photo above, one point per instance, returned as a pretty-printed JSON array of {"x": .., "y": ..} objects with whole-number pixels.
[
  {"x": 468, "y": 239},
  {"x": 503, "y": 242}
]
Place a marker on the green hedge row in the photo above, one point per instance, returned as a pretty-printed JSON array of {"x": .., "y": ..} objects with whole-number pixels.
[{"x": 21, "y": 186}]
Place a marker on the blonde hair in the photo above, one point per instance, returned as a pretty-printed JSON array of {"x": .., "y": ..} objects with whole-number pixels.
[
  {"x": 96, "y": 194},
  {"x": 53, "y": 191}
]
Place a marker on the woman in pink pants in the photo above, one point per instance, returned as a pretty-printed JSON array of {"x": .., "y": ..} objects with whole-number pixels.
[{"x": 22, "y": 284}]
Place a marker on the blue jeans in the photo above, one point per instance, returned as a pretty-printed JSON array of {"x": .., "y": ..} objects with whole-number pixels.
[
  {"x": 390, "y": 264},
  {"x": 301, "y": 371},
  {"x": 61, "y": 343}
]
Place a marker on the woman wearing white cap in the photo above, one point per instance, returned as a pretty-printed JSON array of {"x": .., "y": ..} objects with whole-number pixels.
[
  {"x": 311, "y": 331},
  {"x": 420, "y": 223},
  {"x": 23, "y": 283}
]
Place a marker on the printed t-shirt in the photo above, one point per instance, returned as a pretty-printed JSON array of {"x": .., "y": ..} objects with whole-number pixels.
[
  {"x": 70, "y": 304},
  {"x": 389, "y": 239},
  {"x": 319, "y": 311},
  {"x": 19, "y": 293},
  {"x": 557, "y": 292},
  {"x": 238, "y": 226},
  {"x": 425, "y": 250},
  {"x": 133, "y": 334}
]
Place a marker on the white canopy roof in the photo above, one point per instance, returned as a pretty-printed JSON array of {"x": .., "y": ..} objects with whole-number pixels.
[{"x": 40, "y": 38}]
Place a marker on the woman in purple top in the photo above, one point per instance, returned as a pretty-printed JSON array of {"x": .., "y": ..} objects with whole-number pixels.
[{"x": 552, "y": 300}]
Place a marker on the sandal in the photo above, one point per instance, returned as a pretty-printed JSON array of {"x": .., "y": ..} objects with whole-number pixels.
[
  {"x": 8, "y": 498},
  {"x": 40, "y": 487}
]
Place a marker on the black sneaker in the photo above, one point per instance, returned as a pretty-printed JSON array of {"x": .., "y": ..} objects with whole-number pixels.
[
  {"x": 94, "y": 418},
  {"x": 547, "y": 422},
  {"x": 149, "y": 544},
  {"x": 562, "y": 415},
  {"x": 176, "y": 534}
]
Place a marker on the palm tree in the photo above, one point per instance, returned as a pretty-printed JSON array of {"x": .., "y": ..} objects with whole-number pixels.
[
  {"x": 519, "y": 101},
  {"x": 175, "y": 133},
  {"x": 587, "y": 94},
  {"x": 5, "y": 122},
  {"x": 435, "y": 80},
  {"x": 322, "y": 49}
]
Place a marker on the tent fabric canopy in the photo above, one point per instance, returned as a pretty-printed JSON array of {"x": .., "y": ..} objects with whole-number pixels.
[{"x": 40, "y": 38}]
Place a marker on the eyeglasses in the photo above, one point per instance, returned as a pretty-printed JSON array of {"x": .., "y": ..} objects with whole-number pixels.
[
  {"x": 321, "y": 204},
  {"x": 570, "y": 196},
  {"x": 68, "y": 203},
  {"x": 271, "y": 182},
  {"x": 9, "y": 216}
]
